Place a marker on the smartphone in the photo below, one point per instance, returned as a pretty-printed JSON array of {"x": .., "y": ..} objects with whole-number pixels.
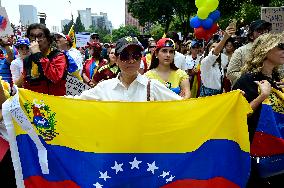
[{"x": 233, "y": 24}]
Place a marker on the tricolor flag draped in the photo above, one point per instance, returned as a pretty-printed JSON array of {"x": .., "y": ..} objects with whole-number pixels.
[
  {"x": 268, "y": 142},
  {"x": 64, "y": 142},
  {"x": 72, "y": 35}
]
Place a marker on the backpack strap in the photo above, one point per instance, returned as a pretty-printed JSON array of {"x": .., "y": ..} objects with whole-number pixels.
[{"x": 148, "y": 90}]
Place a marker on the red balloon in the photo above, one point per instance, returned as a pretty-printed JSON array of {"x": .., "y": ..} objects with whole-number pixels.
[
  {"x": 199, "y": 32},
  {"x": 213, "y": 29}
]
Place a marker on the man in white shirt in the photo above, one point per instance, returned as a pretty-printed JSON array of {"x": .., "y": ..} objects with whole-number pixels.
[{"x": 129, "y": 85}]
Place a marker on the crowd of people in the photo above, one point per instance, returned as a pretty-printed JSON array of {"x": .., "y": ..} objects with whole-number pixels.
[{"x": 166, "y": 69}]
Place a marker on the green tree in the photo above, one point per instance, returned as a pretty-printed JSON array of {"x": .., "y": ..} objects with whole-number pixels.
[
  {"x": 67, "y": 27},
  {"x": 123, "y": 31},
  {"x": 79, "y": 27},
  {"x": 156, "y": 31}
]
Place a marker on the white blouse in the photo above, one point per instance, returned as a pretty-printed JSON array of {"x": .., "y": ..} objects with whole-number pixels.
[{"x": 210, "y": 71}]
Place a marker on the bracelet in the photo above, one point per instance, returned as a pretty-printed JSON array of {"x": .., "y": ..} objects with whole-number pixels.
[{"x": 89, "y": 82}]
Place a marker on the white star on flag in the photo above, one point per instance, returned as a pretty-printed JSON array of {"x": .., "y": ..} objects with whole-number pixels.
[
  {"x": 165, "y": 174},
  {"x": 98, "y": 185},
  {"x": 135, "y": 163},
  {"x": 104, "y": 175},
  {"x": 117, "y": 167},
  {"x": 170, "y": 179},
  {"x": 152, "y": 167}
]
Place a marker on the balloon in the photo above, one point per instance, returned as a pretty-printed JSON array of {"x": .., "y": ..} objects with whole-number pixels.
[
  {"x": 212, "y": 4},
  {"x": 202, "y": 13},
  {"x": 199, "y": 3},
  {"x": 215, "y": 15},
  {"x": 213, "y": 29},
  {"x": 195, "y": 22},
  {"x": 199, "y": 32},
  {"x": 207, "y": 24}
]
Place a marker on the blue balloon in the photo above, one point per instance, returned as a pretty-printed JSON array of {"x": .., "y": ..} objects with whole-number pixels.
[
  {"x": 1, "y": 19},
  {"x": 215, "y": 15},
  {"x": 195, "y": 22},
  {"x": 207, "y": 23}
]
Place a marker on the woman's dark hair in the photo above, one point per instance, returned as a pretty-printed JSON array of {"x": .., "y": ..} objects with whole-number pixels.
[
  {"x": 43, "y": 28},
  {"x": 155, "y": 62},
  {"x": 233, "y": 41}
]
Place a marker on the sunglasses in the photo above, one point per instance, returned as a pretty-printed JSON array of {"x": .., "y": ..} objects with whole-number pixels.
[
  {"x": 281, "y": 46},
  {"x": 169, "y": 43},
  {"x": 152, "y": 46},
  {"x": 125, "y": 56}
]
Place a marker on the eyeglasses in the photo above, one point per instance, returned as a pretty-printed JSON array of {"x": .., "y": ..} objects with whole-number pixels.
[
  {"x": 39, "y": 36},
  {"x": 125, "y": 56},
  {"x": 262, "y": 31},
  {"x": 281, "y": 46}
]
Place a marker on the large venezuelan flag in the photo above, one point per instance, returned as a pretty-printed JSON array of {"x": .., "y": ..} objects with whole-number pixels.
[
  {"x": 200, "y": 143},
  {"x": 268, "y": 141}
]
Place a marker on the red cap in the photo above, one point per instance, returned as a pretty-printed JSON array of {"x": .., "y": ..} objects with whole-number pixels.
[
  {"x": 165, "y": 42},
  {"x": 68, "y": 38}
]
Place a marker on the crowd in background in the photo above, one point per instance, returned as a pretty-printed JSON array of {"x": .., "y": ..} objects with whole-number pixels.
[{"x": 165, "y": 69}]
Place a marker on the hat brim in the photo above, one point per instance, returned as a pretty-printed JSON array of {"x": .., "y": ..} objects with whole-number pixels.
[{"x": 128, "y": 45}]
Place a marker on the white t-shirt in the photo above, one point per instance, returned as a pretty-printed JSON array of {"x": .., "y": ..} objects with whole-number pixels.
[
  {"x": 191, "y": 63},
  {"x": 210, "y": 72},
  {"x": 16, "y": 68},
  {"x": 114, "y": 90},
  {"x": 179, "y": 61}
]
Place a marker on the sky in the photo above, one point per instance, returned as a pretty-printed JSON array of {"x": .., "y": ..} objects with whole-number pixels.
[{"x": 57, "y": 10}]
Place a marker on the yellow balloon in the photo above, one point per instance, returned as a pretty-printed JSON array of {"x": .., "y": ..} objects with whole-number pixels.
[
  {"x": 203, "y": 13},
  {"x": 212, "y": 5},
  {"x": 199, "y": 3}
]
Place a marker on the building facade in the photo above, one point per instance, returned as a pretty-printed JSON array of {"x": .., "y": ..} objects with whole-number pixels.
[
  {"x": 28, "y": 14},
  {"x": 129, "y": 20},
  {"x": 86, "y": 17}
]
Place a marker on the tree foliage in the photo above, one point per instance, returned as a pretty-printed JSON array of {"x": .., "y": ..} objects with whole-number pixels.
[
  {"x": 123, "y": 31},
  {"x": 79, "y": 27}
]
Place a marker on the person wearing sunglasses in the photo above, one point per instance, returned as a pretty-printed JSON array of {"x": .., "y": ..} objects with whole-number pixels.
[
  {"x": 129, "y": 85},
  {"x": 22, "y": 45},
  {"x": 163, "y": 69},
  {"x": 45, "y": 69},
  {"x": 259, "y": 75}
]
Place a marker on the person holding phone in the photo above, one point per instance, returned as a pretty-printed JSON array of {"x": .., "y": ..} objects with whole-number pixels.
[{"x": 45, "y": 69}]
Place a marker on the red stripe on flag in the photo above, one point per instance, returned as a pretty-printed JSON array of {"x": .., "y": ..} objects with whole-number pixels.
[
  {"x": 219, "y": 182},
  {"x": 4, "y": 146},
  {"x": 38, "y": 181},
  {"x": 264, "y": 145}
]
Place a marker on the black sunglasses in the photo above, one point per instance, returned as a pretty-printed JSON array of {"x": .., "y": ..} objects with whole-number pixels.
[
  {"x": 281, "y": 46},
  {"x": 125, "y": 56}
]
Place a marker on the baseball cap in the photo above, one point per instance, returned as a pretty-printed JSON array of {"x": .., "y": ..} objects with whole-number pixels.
[
  {"x": 259, "y": 24},
  {"x": 124, "y": 42},
  {"x": 64, "y": 36},
  {"x": 194, "y": 44},
  {"x": 94, "y": 35},
  {"x": 22, "y": 41},
  {"x": 165, "y": 42}
]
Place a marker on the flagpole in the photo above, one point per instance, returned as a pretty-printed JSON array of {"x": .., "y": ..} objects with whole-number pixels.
[{"x": 71, "y": 12}]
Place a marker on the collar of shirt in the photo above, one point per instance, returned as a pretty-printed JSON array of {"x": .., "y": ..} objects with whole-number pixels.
[{"x": 140, "y": 79}]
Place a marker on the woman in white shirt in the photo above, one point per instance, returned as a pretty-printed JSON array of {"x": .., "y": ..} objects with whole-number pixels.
[
  {"x": 16, "y": 67},
  {"x": 212, "y": 66}
]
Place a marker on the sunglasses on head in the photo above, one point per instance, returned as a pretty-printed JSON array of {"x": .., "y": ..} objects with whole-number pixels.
[
  {"x": 125, "y": 56},
  {"x": 281, "y": 46},
  {"x": 169, "y": 43}
]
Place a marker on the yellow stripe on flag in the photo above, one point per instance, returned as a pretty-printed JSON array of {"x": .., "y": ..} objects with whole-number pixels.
[
  {"x": 72, "y": 35},
  {"x": 145, "y": 127}
]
